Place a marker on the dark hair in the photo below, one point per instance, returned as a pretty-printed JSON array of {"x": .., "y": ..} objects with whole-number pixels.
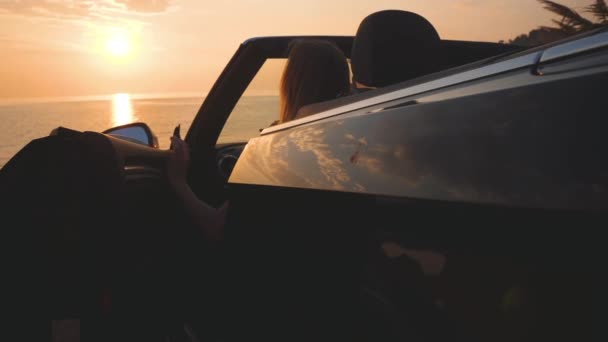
[{"x": 316, "y": 71}]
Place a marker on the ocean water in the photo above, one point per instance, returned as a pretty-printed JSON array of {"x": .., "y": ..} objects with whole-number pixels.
[{"x": 20, "y": 122}]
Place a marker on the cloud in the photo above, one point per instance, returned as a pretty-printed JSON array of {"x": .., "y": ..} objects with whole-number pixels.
[
  {"x": 47, "y": 8},
  {"x": 82, "y": 9},
  {"x": 146, "y": 6},
  {"x": 92, "y": 18},
  {"x": 47, "y": 46}
]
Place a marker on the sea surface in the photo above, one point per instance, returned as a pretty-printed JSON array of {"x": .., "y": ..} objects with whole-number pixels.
[{"x": 24, "y": 120}]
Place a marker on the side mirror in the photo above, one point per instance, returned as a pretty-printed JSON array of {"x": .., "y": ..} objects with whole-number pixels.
[{"x": 138, "y": 133}]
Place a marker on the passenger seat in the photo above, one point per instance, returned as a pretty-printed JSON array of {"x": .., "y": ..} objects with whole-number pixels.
[{"x": 393, "y": 46}]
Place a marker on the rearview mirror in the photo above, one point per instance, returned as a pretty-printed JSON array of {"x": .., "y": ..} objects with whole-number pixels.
[{"x": 138, "y": 133}]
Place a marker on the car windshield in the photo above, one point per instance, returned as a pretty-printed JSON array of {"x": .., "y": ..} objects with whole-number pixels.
[{"x": 93, "y": 65}]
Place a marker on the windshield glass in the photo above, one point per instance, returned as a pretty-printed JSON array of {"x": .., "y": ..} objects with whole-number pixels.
[{"x": 92, "y": 65}]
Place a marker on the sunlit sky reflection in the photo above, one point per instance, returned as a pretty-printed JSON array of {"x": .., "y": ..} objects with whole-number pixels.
[{"x": 122, "y": 110}]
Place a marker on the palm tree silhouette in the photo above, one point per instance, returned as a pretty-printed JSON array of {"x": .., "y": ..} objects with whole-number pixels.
[
  {"x": 571, "y": 22},
  {"x": 599, "y": 11}
]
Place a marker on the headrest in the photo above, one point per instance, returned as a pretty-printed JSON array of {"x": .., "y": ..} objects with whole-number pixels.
[{"x": 393, "y": 46}]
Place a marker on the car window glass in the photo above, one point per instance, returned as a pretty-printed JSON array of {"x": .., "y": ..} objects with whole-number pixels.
[{"x": 258, "y": 107}]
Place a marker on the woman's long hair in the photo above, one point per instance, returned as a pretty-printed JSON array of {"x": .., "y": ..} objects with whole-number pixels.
[{"x": 316, "y": 71}]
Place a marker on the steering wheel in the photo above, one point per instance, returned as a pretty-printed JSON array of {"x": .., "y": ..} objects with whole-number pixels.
[{"x": 227, "y": 157}]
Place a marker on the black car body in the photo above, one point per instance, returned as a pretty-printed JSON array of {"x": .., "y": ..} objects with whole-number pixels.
[
  {"x": 466, "y": 204},
  {"x": 497, "y": 166}
]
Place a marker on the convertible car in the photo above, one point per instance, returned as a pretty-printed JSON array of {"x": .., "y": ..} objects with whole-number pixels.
[{"x": 467, "y": 203}]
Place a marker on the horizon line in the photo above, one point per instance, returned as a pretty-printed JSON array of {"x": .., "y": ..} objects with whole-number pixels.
[{"x": 109, "y": 96}]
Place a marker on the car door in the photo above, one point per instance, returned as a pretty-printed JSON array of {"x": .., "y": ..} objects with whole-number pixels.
[
  {"x": 214, "y": 153},
  {"x": 466, "y": 206}
]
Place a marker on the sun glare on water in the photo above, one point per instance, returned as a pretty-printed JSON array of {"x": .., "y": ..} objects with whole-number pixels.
[{"x": 122, "y": 110}]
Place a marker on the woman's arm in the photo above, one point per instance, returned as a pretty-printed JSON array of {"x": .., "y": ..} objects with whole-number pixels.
[{"x": 207, "y": 218}]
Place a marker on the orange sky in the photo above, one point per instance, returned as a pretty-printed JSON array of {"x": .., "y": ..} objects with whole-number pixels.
[{"x": 65, "y": 47}]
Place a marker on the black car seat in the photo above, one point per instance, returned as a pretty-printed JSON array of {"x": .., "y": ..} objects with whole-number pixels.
[
  {"x": 49, "y": 192},
  {"x": 393, "y": 46},
  {"x": 82, "y": 245}
]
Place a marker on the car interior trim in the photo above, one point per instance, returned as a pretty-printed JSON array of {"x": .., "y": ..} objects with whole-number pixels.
[{"x": 139, "y": 172}]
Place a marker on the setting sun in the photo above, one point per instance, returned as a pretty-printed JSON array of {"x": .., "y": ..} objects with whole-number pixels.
[{"x": 118, "y": 45}]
